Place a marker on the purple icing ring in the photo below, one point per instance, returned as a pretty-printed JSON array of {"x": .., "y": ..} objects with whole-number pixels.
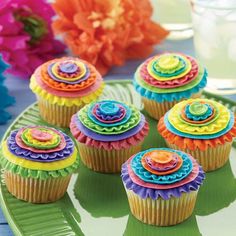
[
  {"x": 167, "y": 166},
  {"x": 68, "y": 67},
  {"x": 40, "y": 157},
  {"x": 118, "y": 116},
  {"x": 109, "y": 138},
  {"x": 54, "y": 77}
]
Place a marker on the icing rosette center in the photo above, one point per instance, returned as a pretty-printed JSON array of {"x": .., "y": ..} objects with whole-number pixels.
[
  {"x": 109, "y": 108},
  {"x": 198, "y": 108},
  {"x": 41, "y": 135},
  {"x": 168, "y": 62},
  {"x": 69, "y": 67}
]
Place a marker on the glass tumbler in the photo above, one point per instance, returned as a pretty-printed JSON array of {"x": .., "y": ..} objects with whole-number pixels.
[
  {"x": 175, "y": 16},
  {"x": 214, "y": 24}
]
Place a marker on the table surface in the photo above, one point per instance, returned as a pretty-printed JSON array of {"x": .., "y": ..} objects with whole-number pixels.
[{"x": 19, "y": 89}]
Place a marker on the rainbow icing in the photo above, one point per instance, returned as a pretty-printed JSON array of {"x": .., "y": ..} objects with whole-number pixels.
[
  {"x": 64, "y": 80},
  {"x": 199, "y": 119},
  {"x": 161, "y": 172},
  {"x": 169, "y": 77},
  {"x": 39, "y": 151},
  {"x": 108, "y": 121}
]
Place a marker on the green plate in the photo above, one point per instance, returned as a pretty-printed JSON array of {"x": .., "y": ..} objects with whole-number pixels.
[{"x": 96, "y": 204}]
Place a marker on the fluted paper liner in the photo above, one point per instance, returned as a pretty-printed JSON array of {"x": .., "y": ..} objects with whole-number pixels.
[
  {"x": 158, "y": 109},
  {"x": 162, "y": 212},
  {"x": 35, "y": 190},
  {"x": 106, "y": 161},
  {"x": 55, "y": 114},
  {"x": 212, "y": 158}
]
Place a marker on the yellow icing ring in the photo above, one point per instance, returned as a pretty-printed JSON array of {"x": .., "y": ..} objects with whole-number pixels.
[
  {"x": 215, "y": 127},
  {"x": 79, "y": 64},
  {"x": 39, "y": 143},
  {"x": 33, "y": 165},
  {"x": 61, "y": 101},
  {"x": 188, "y": 65}
]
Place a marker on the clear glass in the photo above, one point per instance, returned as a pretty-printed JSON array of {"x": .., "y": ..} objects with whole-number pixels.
[
  {"x": 174, "y": 15},
  {"x": 214, "y": 24}
]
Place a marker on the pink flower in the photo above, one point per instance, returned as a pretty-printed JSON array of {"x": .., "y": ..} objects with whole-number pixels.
[{"x": 26, "y": 38}]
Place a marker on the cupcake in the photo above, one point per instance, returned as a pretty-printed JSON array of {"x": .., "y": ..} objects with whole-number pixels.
[
  {"x": 162, "y": 185},
  {"x": 166, "y": 79},
  {"x": 201, "y": 127},
  {"x": 108, "y": 133},
  {"x": 63, "y": 86},
  {"x": 38, "y": 162}
]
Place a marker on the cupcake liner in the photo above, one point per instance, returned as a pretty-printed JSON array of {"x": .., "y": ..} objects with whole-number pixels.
[
  {"x": 162, "y": 212},
  {"x": 55, "y": 114},
  {"x": 157, "y": 109},
  {"x": 36, "y": 190},
  {"x": 212, "y": 158},
  {"x": 106, "y": 161}
]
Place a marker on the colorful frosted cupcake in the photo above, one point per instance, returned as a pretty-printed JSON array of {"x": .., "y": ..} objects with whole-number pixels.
[
  {"x": 63, "y": 86},
  {"x": 38, "y": 162},
  {"x": 162, "y": 185},
  {"x": 201, "y": 127},
  {"x": 108, "y": 133},
  {"x": 166, "y": 79}
]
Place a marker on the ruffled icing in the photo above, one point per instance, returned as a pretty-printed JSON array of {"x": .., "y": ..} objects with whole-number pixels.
[
  {"x": 170, "y": 184},
  {"x": 64, "y": 80},
  {"x": 167, "y": 82},
  {"x": 216, "y": 125},
  {"x": 196, "y": 143},
  {"x": 109, "y": 124},
  {"x": 38, "y": 148}
]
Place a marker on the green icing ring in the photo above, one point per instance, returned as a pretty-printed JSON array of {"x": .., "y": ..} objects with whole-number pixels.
[
  {"x": 132, "y": 122},
  {"x": 37, "y": 174},
  {"x": 188, "y": 86},
  {"x": 43, "y": 147}
]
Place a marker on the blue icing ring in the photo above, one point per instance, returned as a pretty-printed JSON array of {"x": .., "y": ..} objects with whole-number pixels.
[
  {"x": 192, "y": 136},
  {"x": 170, "y": 97},
  {"x": 172, "y": 74},
  {"x": 201, "y": 117},
  {"x": 123, "y": 121},
  {"x": 146, "y": 176}
]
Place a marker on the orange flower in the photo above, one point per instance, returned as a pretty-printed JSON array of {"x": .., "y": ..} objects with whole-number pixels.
[{"x": 107, "y": 32}]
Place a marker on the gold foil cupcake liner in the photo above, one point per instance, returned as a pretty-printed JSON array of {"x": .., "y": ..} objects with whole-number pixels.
[
  {"x": 106, "y": 161},
  {"x": 55, "y": 114},
  {"x": 158, "y": 109},
  {"x": 210, "y": 159},
  {"x": 36, "y": 190},
  {"x": 162, "y": 212}
]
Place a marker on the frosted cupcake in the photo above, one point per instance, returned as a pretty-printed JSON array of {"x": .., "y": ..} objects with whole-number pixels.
[
  {"x": 166, "y": 79},
  {"x": 201, "y": 127},
  {"x": 162, "y": 185},
  {"x": 38, "y": 162},
  {"x": 63, "y": 86},
  {"x": 108, "y": 133}
]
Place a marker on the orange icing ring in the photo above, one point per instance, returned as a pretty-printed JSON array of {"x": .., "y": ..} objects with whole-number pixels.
[
  {"x": 67, "y": 87},
  {"x": 184, "y": 117},
  {"x": 193, "y": 144},
  {"x": 163, "y": 159}
]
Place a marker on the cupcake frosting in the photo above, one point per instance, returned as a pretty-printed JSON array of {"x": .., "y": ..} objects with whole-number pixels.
[
  {"x": 109, "y": 123},
  {"x": 169, "y": 77},
  {"x": 204, "y": 120},
  {"x": 39, "y": 152},
  {"x": 64, "y": 80},
  {"x": 161, "y": 172}
]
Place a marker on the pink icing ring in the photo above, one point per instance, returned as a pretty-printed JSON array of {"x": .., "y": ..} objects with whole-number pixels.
[
  {"x": 108, "y": 122},
  {"x": 170, "y": 83},
  {"x": 193, "y": 175},
  {"x": 73, "y": 94},
  {"x": 40, "y": 135},
  {"x": 21, "y": 144}
]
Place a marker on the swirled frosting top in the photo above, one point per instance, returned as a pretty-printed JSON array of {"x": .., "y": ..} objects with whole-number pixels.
[
  {"x": 199, "y": 119},
  {"x": 161, "y": 171},
  {"x": 39, "y": 148},
  {"x": 109, "y": 120},
  {"x": 169, "y": 76}
]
